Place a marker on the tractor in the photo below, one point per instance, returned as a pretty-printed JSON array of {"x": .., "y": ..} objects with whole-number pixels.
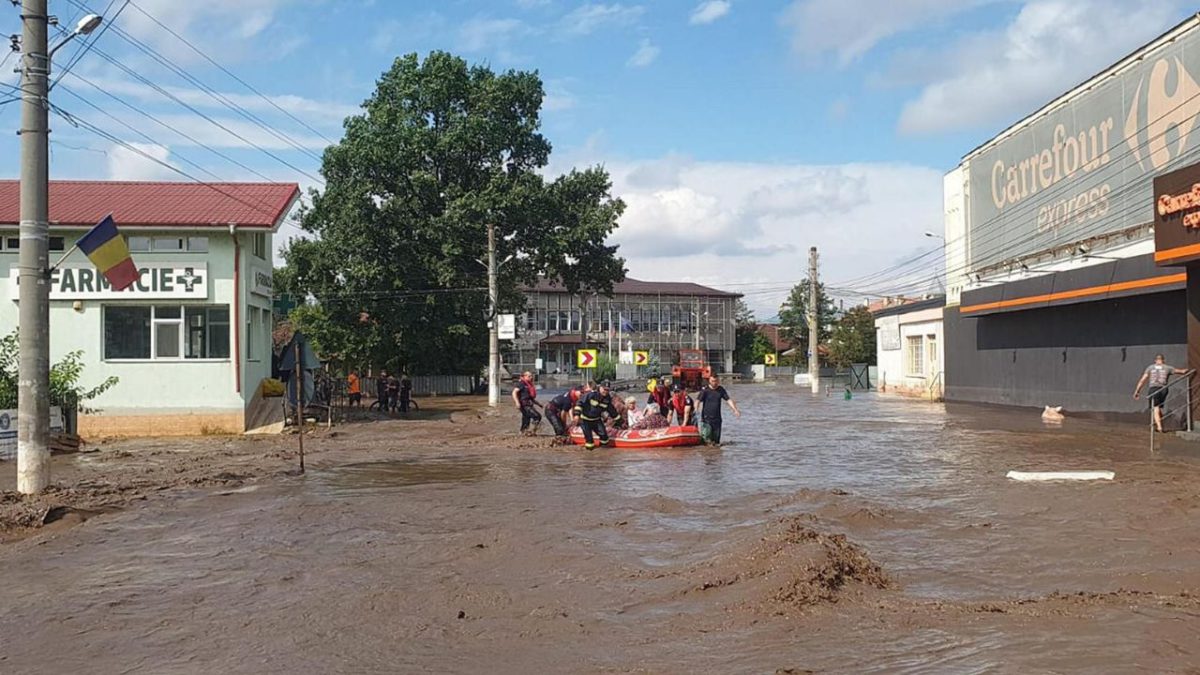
[{"x": 691, "y": 371}]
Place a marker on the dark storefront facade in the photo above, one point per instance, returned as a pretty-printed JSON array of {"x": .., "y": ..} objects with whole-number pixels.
[
  {"x": 1063, "y": 279},
  {"x": 1079, "y": 339}
]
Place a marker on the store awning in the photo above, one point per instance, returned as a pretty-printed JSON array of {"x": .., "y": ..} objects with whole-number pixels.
[{"x": 1112, "y": 279}]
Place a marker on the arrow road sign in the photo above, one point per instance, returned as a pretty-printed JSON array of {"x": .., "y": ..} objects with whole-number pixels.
[
  {"x": 586, "y": 358},
  {"x": 770, "y": 359},
  {"x": 641, "y": 358}
]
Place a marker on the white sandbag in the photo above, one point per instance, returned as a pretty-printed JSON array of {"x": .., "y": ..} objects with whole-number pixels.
[{"x": 1060, "y": 475}]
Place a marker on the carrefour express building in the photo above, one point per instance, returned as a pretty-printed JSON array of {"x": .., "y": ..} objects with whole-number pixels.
[
  {"x": 191, "y": 341},
  {"x": 1063, "y": 281}
]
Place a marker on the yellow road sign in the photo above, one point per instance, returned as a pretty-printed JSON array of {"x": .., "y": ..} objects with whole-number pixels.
[
  {"x": 770, "y": 359},
  {"x": 586, "y": 358},
  {"x": 641, "y": 358}
]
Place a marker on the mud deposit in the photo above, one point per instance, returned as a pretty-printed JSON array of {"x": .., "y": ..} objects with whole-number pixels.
[{"x": 873, "y": 535}]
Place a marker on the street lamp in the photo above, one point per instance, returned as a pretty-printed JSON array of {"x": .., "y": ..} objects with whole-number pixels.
[
  {"x": 934, "y": 235},
  {"x": 85, "y": 26}
]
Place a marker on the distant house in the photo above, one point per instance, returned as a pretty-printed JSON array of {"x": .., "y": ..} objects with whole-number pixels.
[
  {"x": 771, "y": 331},
  {"x": 908, "y": 338}
]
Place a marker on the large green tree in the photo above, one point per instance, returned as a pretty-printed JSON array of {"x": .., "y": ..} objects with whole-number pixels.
[
  {"x": 393, "y": 273},
  {"x": 793, "y": 316},
  {"x": 853, "y": 338}
]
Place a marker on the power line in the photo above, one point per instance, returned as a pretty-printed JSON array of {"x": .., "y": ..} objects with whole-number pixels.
[
  {"x": 230, "y": 73},
  {"x": 174, "y": 67},
  {"x": 139, "y": 77},
  {"x": 80, "y": 122}
]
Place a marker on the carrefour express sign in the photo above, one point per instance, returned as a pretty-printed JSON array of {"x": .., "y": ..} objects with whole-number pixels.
[{"x": 1086, "y": 167}]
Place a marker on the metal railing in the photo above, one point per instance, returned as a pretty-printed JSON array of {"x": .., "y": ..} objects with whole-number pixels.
[
  {"x": 935, "y": 383},
  {"x": 1166, "y": 409}
]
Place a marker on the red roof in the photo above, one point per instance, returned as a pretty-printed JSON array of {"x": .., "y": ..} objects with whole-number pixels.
[{"x": 158, "y": 204}]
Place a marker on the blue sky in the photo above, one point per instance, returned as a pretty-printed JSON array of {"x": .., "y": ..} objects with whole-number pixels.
[{"x": 739, "y": 132}]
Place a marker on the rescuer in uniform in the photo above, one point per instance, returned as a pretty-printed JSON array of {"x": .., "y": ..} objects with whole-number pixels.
[
  {"x": 590, "y": 412},
  {"x": 681, "y": 408},
  {"x": 525, "y": 397},
  {"x": 1157, "y": 374},
  {"x": 559, "y": 407},
  {"x": 711, "y": 398}
]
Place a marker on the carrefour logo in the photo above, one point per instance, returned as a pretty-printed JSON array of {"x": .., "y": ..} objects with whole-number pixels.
[{"x": 1164, "y": 109}]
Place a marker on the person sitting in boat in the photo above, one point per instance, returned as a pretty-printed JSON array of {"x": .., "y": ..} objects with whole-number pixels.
[
  {"x": 619, "y": 420},
  {"x": 632, "y": 414},
  {"x": 590, "y": 412},
  {"x": 681, "y": 409},
  {"x": 651, "y": 418},
  {"x": 660, "y": 395}
]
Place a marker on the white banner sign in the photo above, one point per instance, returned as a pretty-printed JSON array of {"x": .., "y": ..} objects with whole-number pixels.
[
  {"x": 506, "y": 326},
  {"x": 158, "y": 281},
  {"x": 889, "y": 333},
  {"x": 261, "y": 281},
  {"x": 625, "y": 358},
  {"x": 8, "y": 430}
]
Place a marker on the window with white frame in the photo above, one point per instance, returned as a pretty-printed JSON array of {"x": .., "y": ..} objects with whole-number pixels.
[
  {"x": 166, "y": 332},
  {"x": 258, "y": 245},
  {"x": 144, "y": 244},
  {"x": 931, "y": 351},
  {"x": 914, "y": 356}
]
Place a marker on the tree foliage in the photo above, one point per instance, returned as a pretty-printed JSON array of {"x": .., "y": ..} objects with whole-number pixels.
[
  {"x": 793, "y": 316},
  {"x": 65, "y": 389},
  {"x": 394, "y": 274},
  {"x": 745, "y": 331},
  {"x": 853, "y": 338}
]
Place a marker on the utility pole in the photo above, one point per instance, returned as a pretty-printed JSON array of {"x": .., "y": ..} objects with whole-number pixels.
[
  {"x": 814, "y": 367},
  {"x": 33, "y": 382},
  {"x": 493, "y": 329}
]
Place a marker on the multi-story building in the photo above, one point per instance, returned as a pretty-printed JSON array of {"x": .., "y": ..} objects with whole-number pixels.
[{"x": 658, "y": 317}]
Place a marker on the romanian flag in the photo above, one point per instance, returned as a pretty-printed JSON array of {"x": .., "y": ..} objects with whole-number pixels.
[{"x": 107, "y": 250}]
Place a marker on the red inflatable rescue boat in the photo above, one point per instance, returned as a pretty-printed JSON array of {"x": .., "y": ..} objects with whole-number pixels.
[{"x": 644, "y": 439}]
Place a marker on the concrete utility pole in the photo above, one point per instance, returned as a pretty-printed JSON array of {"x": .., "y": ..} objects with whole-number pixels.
[
  {"x": 493, "y": 329},
  {"x": 33, "y": 381},
  {"x": 814, "y": 367}
]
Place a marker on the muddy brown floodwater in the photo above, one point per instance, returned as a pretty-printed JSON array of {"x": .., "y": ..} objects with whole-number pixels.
[{"x": 872, "y": 535}]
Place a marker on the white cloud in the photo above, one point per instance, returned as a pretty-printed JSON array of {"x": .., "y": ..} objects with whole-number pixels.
[
  {"x": 315, "y": 113},
  {"x": 241, "y": 24},
  {"x": 710, "y": 11},
  {"x": 727, "y": 223},
  {"x": 481, "y": 34},
  {"x": 591, "y": 17},
  {"x": 207, "y": 133},
  {"x": 139, "y": 162},
  {"x": 995, "y": 76},
  {"x": 851, "y": 29},
  {"x": 646, "y": 53},
  {"x": 531, "y": 4}
]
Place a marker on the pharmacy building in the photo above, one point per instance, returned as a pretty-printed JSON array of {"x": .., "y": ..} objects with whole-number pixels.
[{"x": 190, "y": 341}]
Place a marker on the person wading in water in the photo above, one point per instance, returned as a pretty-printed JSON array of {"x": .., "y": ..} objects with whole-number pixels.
[
  {"x": 525, "y": 397},
  {"x": 711, "y": 398},
  {"x": 590, "y": 412},
  {"x": 1158, "y": 374}
]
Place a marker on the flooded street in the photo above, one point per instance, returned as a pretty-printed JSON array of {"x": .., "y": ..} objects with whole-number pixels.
[{"x": 479, "y": 553}]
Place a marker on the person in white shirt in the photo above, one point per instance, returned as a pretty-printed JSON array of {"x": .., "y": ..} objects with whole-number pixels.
[{"x": 632, "y": 414}]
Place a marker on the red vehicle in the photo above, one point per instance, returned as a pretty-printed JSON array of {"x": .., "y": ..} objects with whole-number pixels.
[{"x": 692, "y": 371}]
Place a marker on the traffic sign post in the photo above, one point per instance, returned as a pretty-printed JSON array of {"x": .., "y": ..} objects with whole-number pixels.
[
  {"x": 586, "y": 358},
  {"x": 641, "y": 358}
]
